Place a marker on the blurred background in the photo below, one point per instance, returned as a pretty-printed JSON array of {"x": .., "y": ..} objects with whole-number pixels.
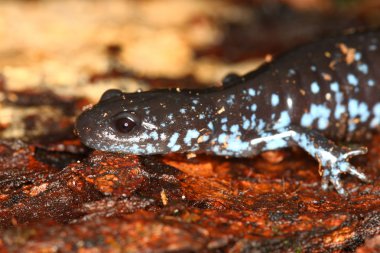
[{"x": 57, "y": 56}]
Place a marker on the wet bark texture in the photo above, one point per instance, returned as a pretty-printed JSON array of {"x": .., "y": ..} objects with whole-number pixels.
[{"x": 115, "y": 202}]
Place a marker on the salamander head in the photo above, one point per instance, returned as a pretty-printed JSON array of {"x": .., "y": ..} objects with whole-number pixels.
[{"x": 135, "y": 123}]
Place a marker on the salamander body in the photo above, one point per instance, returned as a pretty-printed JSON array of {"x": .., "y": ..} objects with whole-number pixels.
[{"x": 323, "y": 91}]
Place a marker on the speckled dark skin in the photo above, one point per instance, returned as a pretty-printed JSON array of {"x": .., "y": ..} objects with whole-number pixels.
[{"x": 326, "y": 90}]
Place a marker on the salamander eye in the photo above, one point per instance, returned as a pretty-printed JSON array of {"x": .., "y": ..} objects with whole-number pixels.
[
  {"x": 110, "y": 94},
  {"x": 125, "y": 122}
]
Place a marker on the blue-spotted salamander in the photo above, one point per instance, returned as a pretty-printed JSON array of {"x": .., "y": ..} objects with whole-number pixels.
[{"x": 323, "y": 91}]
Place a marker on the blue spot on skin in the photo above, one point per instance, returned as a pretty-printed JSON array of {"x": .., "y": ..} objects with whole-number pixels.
[
  {"x": 307, "y": 120},
  {"x": 363, "y": 68},
  {"x": 230, "y": 100},
  {"x": 150, "y": 148},
  {"x": 135, "y": 149},
  {"x": 356, "y": 108},
  {"x": 291, "y": 72},
  {"x": 170, "y": 116},
  {"x": 261, "y": 125},
  {"x": 353, "y": 107},
  {"x": 334, "y": 86},
  {"x": 351, "y": 126},
  {"x": 222, "y": 138},
  {"x": 251, "y": 92},
  {"x": 323, "y": 123},
  {"x": 320, "y": 112},
  {"x": 215, "y": 149},
  {"x": 358, "y": 56},
  {"x": 154, "y": 135},
  {"x": 339, "y": 108},
  {"x": 211, "y": 126},
  {"x": 205, "y": 138},
  {"x": 352, "y": 80},
  {"x": 313, "y": 68},
  {"x": 191, "y": 134},
  {"x": 253, "y": 118},
  {"x": 234, "y": 128},
  {"x": 224, "y": 127},
  {"x": 275, "y": 100},
  {"x": 375, "y": 122},
  {"x": 363, "y": 111},
  {"x": 173, "y": 140},
  {"x": 314, "y": 87},
  {"x": 183, "y": 111},
  {"x": 371, "y": 82},
  {"x": 306, "y": 144},
  {"x": 253, "y": 107},
  {"x": 376, "y": 109},
  {"x": 195, "y": 101},
  {"x": 283, "y": 121},
  {"x": 224, "y": 120},
  {"x": 276, "y": 144},
  {"x": 236, "y": 145},
  {"x": 175, "y": 148},
  {"x": 246, "y": 124},
  {"x": 201, "y": 116},
  {"x": 253, "y": 123}
]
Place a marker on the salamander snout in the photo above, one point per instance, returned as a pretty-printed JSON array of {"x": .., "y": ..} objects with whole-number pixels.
[
  {"x": 85, "y": 127},
  {"x": 114, "y": 126},
  {"x": 99, "y": 129}
]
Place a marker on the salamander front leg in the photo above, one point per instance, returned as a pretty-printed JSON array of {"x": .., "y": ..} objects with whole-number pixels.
[{"x": 332, "y": 158}]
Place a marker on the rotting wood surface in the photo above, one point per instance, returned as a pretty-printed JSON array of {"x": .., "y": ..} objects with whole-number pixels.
[{"x": 114, "y": 202}]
